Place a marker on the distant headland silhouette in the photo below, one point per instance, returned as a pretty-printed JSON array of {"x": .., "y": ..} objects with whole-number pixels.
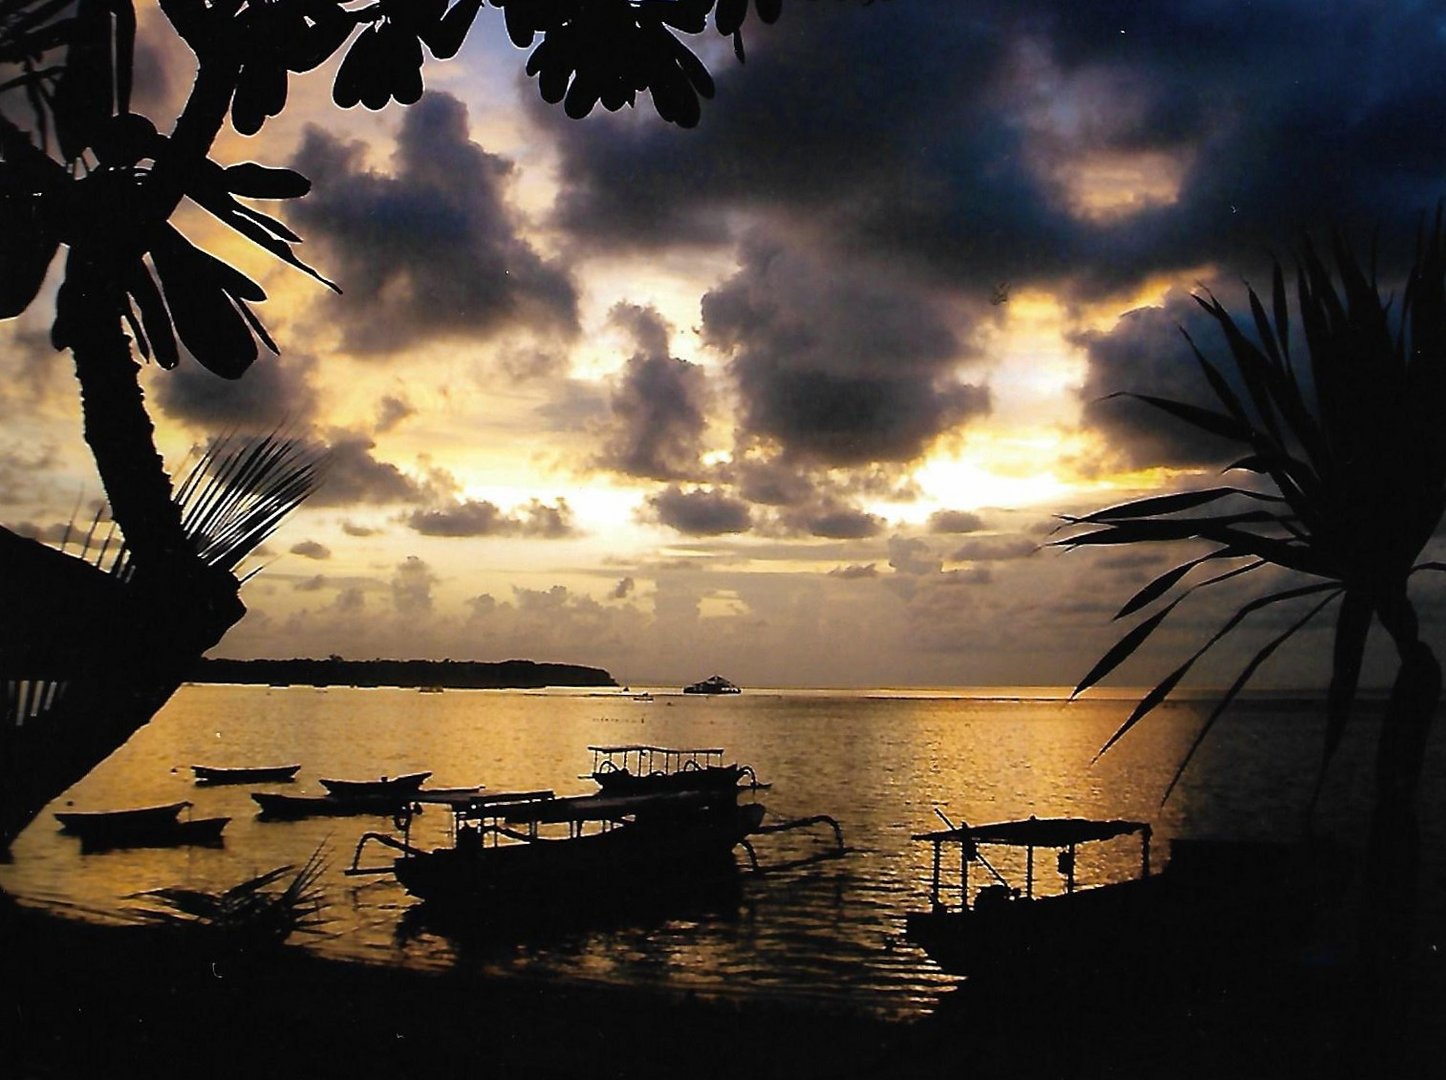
[{"x": 456, "y": 674}]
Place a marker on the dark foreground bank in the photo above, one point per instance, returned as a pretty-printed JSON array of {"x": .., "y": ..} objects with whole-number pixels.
[{"x": 88, "y": 1000}]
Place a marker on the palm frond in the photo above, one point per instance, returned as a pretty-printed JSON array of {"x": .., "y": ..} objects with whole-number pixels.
[
  {"x": 250, "y": 912},
  {"x": 238, "y": 493}
]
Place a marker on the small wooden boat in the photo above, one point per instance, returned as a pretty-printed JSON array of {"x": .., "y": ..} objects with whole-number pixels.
[
  {"x": 149, "y": 826},
  {"x": 246, "y": 774},
  {"x": 388, "y": 786}
]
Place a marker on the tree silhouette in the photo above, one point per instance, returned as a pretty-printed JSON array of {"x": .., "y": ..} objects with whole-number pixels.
[
  {"x": 1348, "y": 443},
  {"x": 80, "y": 170}
]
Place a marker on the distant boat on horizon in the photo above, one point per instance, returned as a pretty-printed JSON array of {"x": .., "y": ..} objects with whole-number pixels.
[{"x": 713, "y": 684}]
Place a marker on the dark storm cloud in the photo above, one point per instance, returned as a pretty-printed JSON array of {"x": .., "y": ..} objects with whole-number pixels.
[
  {"x": 473, "y": 517},
  {"x": 699, "y": 512},
  {"x": 945, "y": 137},
  {"x": 836, "y": 365},
  {"x": 1145, "y": 353},
  {"x": 658, "y": 405},
  {"x": 433, "y": 250},
  {"x": 275, "y": 390}
]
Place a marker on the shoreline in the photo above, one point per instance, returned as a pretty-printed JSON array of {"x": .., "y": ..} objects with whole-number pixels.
[{"x": 158, "y": 1002}]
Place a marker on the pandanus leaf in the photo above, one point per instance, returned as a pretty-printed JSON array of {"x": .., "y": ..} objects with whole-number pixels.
[
  {"x": 1165, "y": 582},
  {"x": 1206, "y": 420},
  {"x": 1172, "y": 504},
  {"x": 1124, "y": 649},
  {"x": 1151, "y": 700},
  {"x": 1239, "y": 684}
]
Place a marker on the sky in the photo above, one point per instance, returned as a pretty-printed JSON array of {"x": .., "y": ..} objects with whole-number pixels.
[{"x": 795, "y": 396}]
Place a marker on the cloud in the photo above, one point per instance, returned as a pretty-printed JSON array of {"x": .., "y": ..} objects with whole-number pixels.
[
  {"x": 658, "y": 405},
  {"x": 700, "y": 512},
  {"x": 353, "y": 476},
  {"x": 994, "y": 549},
  {"x": 855, "y": 572},
  {"x": 1145, "y": 353},
  {"x": 310, "y": 549},
  {"x": 432, "y": 250},
  {"x": 839, "y": 365},
  {"x": 411, "y": 587},
  {"x": 623, "y": 589},
  {"x": 954, "y": 521},
  {"x": 275, "y": 391},
  {"x": 913, "y": 557},
  {"x": 835, "y": 522},
  {"x": 391, "y": 411},
  {"x": 1037, "y": 141},
  {"x": 474, "y": 517}
]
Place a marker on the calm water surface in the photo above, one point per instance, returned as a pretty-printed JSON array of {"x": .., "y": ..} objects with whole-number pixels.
[{"x": 880, "y": 762}]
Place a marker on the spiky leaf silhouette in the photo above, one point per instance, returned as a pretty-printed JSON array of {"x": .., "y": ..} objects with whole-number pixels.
[{"x": 1351, "y": 437}]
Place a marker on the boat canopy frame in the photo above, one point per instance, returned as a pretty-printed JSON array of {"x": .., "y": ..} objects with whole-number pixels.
[
  {"x": 1062, "y": 834},
  {"x": 654, "y": 759}
]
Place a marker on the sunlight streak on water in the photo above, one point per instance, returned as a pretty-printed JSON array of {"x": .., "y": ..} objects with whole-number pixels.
[{"x": 877, "y": 761}]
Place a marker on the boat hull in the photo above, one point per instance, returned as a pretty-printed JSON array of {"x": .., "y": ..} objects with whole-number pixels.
[
  {"x": 293, "y": 807},
  {"x": 155, "y": 826},
  {"x": 397, "y": 785},
  {"x": 259, "y": 774}
]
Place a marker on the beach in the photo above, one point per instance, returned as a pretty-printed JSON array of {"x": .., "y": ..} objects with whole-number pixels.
[{"x": 142, "y": 1001}]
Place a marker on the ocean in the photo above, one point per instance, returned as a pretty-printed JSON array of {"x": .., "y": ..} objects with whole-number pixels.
[{"x": 883, "y": 763}]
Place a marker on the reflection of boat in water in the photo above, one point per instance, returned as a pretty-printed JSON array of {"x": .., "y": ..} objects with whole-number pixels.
[
  {"x": 642, "y": 770},
  {"x": 149, "y": 826},
  {"x": 560, "y": 857},
  {"x": 248, "y": 774},
  {"x": 713, "y": 684},
  {"x": 396, "y": 785},
  {"x": 1218, "y": 903}
]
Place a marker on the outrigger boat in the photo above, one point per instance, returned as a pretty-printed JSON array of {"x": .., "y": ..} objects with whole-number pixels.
[
  {"x": 148, "y": 826},
  {"x": 1008, "y": 929},
  {"x": 642, "y": 770},
  {"x": 539, "y": 854},
  {"x": 246, "y": 774},
  {"x": 1218, "y": 904}
]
